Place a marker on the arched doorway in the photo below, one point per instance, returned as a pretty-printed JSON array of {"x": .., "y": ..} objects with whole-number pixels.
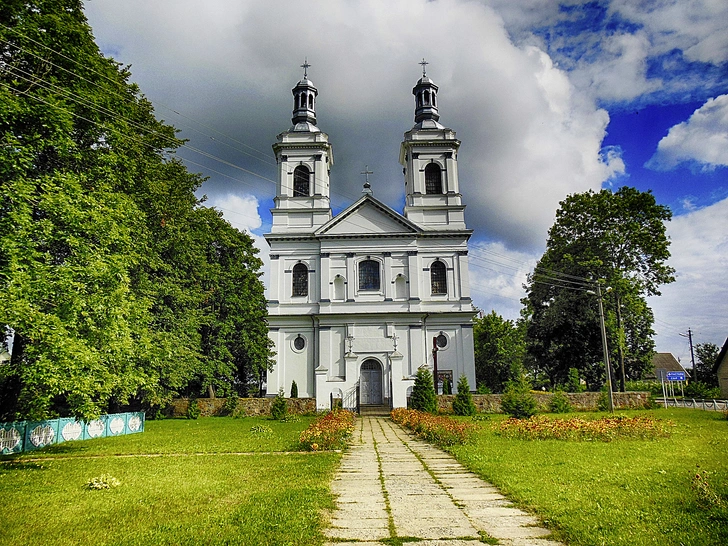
[{"x": 370, "y": 383}]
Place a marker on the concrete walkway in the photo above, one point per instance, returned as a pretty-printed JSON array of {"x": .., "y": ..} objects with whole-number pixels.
[{"x": 392, "y": 485}]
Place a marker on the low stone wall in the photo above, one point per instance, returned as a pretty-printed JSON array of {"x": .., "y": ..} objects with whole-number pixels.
[
  {"x": 581, "y": 401},
  {"x": 246, "y": 406}
]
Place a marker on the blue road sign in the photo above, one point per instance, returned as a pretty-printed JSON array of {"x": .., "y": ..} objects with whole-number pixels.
[{"x": 676, "y": 376}]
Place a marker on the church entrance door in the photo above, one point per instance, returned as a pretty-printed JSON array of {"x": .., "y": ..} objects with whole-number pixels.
[{"x": 370, "y": 384}]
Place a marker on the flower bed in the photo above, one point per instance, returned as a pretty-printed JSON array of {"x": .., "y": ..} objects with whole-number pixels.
[
  {"x": 439, "y": 430},
  {"x": 604, "y": 429},
  {"x": 330, "y": 431}
]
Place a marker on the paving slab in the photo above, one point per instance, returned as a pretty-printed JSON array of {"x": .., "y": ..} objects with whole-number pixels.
[{"x": 390, "y": 484}]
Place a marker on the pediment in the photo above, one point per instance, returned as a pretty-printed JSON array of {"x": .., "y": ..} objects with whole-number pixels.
[{"x": 368, "y": 217}]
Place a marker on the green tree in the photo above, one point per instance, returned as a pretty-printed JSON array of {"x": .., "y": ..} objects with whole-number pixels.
[
  {"x": 423, "y": 392},
  {"x": 463, "y": 403},
  {"x": 517, "y": 400},
  {"x": 278, "y": 407},
  {"x": 706, "y": 355},
  {"x": 499, "y": 351},
  {"x": 119, "y": 286},
  {"x": 618, "y": 237}
]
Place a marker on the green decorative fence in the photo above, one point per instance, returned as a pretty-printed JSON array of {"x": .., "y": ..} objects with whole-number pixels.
[{"x": 30, "y": 435}]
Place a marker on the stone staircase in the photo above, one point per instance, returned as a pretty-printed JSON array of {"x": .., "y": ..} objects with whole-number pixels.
[{"x": 374, "y": 411}]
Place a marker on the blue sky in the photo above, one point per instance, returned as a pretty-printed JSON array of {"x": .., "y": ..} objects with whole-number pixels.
[{"x": 548, "y": 98}]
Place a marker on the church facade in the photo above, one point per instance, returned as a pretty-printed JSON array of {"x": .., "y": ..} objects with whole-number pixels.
[{"x": 359, "y": 301}]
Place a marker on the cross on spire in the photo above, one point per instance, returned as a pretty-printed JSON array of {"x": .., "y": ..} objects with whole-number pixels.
[
  {"x": 424, "y": 63},
  {"x": 306, "y": 66},
  {"x": 366, "y": 172}
]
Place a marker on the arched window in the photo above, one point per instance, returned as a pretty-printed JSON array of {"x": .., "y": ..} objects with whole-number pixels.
[
  {"x": 300, "y": 181},
  {"x": 433, "y": 179},
  {"x": 438, "y": 278},
  {"x": 300, "y": 280},
  {"x": 369, "y": 275},
  {"x": 427, "y": 97},
  {"x": 310, "y": 102}
]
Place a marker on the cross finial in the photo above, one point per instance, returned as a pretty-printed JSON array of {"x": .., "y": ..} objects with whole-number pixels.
[
  {"x": 394, "y": 341},
  {"x": 366, "y": 172},
  {"x": 424, "y": 63},
  {"x": 305, "y": 67}
]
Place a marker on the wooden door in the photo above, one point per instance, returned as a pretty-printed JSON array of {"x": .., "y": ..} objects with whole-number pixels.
[{"x": 370, "y": 383}]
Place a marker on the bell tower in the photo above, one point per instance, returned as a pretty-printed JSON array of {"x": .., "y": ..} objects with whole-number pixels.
[
  {"x": 429, "y": 155},
  {"x": 304, "y": 158}
]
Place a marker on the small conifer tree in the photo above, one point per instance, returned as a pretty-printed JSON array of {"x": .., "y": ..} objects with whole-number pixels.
[
  {"x": 294, "y": 390},
  {"x": 446, "y": 386},
  {"x": 278, "y": 408},
  {"x": 517, "y": 400},
  {"x": 463, "y": 403},
  {"x": 423, "y": 393}
]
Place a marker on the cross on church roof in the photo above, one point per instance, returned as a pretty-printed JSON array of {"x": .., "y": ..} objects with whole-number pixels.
[
  {"x": 366, "y": 172},
  {"x": 424, "y": 63},
  {"x": 305, "y": 67}
]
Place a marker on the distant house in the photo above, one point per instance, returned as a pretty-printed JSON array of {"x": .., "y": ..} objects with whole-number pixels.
[
  {"x": 667, "y": 362},
  {"x": 721, "y": 370}
]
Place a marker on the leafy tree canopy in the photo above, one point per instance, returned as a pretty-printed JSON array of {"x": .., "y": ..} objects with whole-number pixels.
[
  {"x": 119, "y": 286},
  {"x": 616, "y": 237},
  {"x": 706, "y": 354},
  {"x": 499, "y": 351}
]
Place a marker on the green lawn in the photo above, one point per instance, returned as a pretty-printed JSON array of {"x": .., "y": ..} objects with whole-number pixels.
[
  {"x": 627, "y": 492},
  {"x": 199, "y": 491}
]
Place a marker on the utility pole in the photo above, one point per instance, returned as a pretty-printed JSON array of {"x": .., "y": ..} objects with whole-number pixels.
[
  {"x": 604, "y": 347},
  {"x": 692, "y": 355}
]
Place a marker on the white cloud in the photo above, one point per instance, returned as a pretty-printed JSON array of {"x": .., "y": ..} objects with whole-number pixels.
[
  {"x": 529, "y": 139},
  {"x": 697, "y": 299},
  {"x": 620, "y": 71},
  {"x": 697, "y": 27},
  {"x": 703, "y": 139},
  {"x": 497, "y": 276},
  {"x": 618, "y": 50},
  {"x": 241, "y": 211}
]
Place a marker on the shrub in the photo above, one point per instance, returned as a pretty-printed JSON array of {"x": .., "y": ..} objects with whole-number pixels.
[
  {"x": 697, "y": 389},
  {"x": 559, "y": 403},
  {"x": 463, "y": 403},
  {"x": 294, "y": 390},
  {"x": 653, "y": 387},
  {"x": 193, "y": 409},
  {"x": 484, "y": 389},
  {"x": 230, "y": 405},
  {"x": 423, "y": 393},
  {"x": 439, "y": 430},
  {"x": 573, "y": 384},
  {"x": 446, "y": 386},
  {"x": 517, "y": 400},
  {"x": 278, "y": 408},
  {"x": 330, "y": 431}
]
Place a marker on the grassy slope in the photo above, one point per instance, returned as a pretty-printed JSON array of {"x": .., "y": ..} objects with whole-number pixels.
[
  {"x": 179, "y": 498},
  {"x": 620, "y": 493}
]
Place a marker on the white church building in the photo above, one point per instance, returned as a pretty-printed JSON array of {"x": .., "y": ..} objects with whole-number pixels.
[{"x": 359, "y": 301}]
